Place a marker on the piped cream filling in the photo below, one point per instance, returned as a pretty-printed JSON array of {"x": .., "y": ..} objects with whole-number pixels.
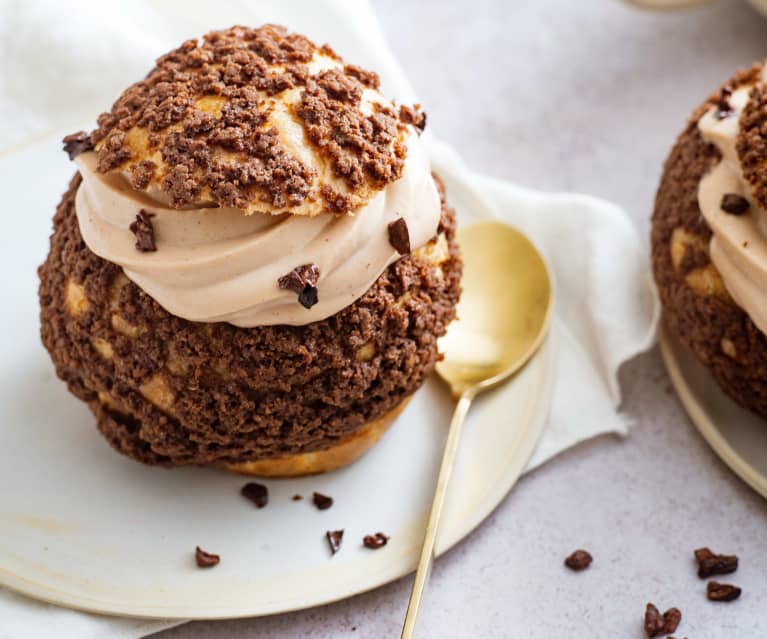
[
  {"x": 738, "y": 246},
  {"x": 220, "y": 265}
]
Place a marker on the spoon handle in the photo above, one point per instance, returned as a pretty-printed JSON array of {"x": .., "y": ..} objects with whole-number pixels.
[{"x": 427, "y": 551}]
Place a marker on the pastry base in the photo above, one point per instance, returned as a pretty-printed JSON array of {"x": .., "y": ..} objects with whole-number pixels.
[{"x": 348, "y": 450}]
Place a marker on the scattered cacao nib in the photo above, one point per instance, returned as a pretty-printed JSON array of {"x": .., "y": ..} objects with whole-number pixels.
[
  {"x": 302, "y": 280},
  {"x": 77, "y": 143},
  {"x": 399, "y": 236},
  {"x": 308, "y": 297},
  {"x": 656, "y": 624},
  {"x": 205, "y": 559},
  {"x": 144, "y": 231},
  {"x": 722, "y": 592},
  {"x": 297, "y": 497},
  {"x": 710, "y": 563},
  {"x": 671, "y": 619},
  {"x": 323, "y": 502},
  {"x": 723, "y": 106},
  {"x": 299, "y": 277},
  {"x": 334, "y": 537},
  {"x": 378, "y": 540},
  {"x": 734, "y": 204},
  {"x": 257, "y": 493},
  {"x": 653, "y": 621},
  {"x": 579, "y": 560}
]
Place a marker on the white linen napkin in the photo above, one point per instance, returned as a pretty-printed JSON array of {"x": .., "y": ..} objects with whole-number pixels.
[{"x": 64, "y": 63}]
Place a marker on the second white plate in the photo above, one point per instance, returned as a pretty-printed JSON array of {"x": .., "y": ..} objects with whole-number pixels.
[{"x": 738, "y": 436}]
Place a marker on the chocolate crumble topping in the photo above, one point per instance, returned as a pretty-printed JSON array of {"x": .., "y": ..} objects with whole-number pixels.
[
  {"x": 303, "y": 281},
  {"x": 376, "y": 541},
  {"x": 323, "y": 502},
  {"x": 334, "y": 537},
  {"x": 578, "y": 560},
  {"x": 297, "y": 497},
  {"x": 710, "y": 563},
  {"x": 144, "y": 231},
  {"x": 205, "y": 559},
  {"x": 368, "y": 79},
  {"x": 141, "y": 174},
  {"x": 257, "y": 493},
  {"x": 734, "y": 204},
  {"x": 77, "y": 143},
  {"x": 399, "y": 236},
  {"x": 722, "y": 592},
  {"x": 206, "y": 107}
]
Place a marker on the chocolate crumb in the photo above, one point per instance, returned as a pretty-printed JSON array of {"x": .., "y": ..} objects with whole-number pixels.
[
  {"x": 141, "y": 174},
  {"x": 653, "y": 621},
  {"x": 379, "y": 540},
  {"x": 578, "y": 560},
  {"x": 671, "y": 619},
  {"x": 303, "y": 281},
  {"x": 205, "y": 559},
  {"x": 323, "y": 502},
  {"x": 297, "y": 497},
  {"x": 710, "y": 563},
  {"x": 257, "y": 493},
  {"x": 334, "y": 537},
  {"x": 734, "y": 204},
  {"x": 723, "y": 106},
  {"x": 399, "y": 236},
  {"x": 413, "y": 115},
  {"x": 144, "y": 231},
  {"x": 722, "y": 592},
  {"x": 77, "y": 143}
]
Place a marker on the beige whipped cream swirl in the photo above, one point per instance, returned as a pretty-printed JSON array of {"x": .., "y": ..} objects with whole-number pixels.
[
  {"x": 739, "y": 243},
  {"x": 219, "y": 265}
]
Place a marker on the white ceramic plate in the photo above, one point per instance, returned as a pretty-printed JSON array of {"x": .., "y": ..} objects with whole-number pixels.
[
  {"x": 83, "y": 527},
  {"x": 736, "y": 435}
]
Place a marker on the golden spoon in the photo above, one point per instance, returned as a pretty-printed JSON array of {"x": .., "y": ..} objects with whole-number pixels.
[{"x": 504, "y": 315}]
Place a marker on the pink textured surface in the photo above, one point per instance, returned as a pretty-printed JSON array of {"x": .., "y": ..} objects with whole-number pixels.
[{"x": 584, "y": 96}]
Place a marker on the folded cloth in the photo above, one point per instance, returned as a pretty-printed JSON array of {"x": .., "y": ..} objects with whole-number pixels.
[{"x": 63, "y": 65}]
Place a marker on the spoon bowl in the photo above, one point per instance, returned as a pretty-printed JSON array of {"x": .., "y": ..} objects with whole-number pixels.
[
  {"x": 504, "y": 309},
  {"x": 503, "y": 317}
]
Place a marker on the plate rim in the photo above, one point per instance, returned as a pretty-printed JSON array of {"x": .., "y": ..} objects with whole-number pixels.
[{"x": 701, "y": 418}]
